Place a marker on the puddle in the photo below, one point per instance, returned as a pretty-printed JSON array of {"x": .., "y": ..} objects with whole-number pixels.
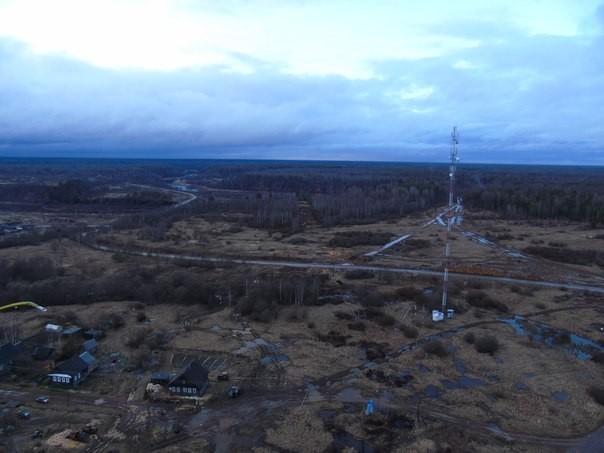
[
  {"x": 268, "y": 359},
  {"x": 521, "y": 386},
  {"x": 258, "y": 342},
  {"x": 560, "y": 396},
  {"x": 580, "y": 347},
  {"x": 423, "y": 368},
  {"x": 432, "y": 392},
  {"x": 463, "y": 382},
  {"x": 350, "y": 394},
  {"x": 460, "y": 366}
]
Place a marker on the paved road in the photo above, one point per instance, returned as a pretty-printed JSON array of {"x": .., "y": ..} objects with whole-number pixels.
[{"x": 346, "y": 266}]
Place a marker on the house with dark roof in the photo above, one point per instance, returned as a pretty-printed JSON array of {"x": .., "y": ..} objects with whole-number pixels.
[
  {"x": 191, "y": 381},
  {"x": 73, "y": 370}
]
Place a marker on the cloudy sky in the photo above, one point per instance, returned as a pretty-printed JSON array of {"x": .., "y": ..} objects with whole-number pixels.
[{"x": 381, "y": 80}]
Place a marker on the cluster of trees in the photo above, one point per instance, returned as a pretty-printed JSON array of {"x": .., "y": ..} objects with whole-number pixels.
[
  {"x": 558, "y": 193},
  {"x": 350, "y": 193},
  {"x": 369, "y": 204},
  {"x": 40, "y": 280}
]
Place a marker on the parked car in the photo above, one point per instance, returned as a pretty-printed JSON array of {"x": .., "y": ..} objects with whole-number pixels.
[{"x": 42, "y": 399}]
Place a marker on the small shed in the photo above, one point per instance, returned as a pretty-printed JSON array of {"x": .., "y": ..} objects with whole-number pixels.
[
  {"x": 53, "y": 328},
  {"x": 72, "y": 331},
  {"x": 90, "y": 345},
  {"x": 93, "y": 334}
]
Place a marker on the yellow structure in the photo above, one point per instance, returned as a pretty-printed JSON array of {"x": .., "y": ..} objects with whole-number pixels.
[{"x": 23, "y": 304}]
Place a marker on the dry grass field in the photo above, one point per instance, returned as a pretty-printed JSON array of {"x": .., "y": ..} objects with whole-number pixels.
[{"x": 329, "y": 360}]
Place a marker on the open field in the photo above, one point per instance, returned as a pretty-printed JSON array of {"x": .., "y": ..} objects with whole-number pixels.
[{"x": 309, "y": 347}]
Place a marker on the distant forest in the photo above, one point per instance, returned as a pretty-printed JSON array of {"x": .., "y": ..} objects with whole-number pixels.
[{"x": 286, "y": 195}]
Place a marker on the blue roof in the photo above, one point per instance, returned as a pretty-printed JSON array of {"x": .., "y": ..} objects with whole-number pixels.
[{"x": 87, "y": 357}]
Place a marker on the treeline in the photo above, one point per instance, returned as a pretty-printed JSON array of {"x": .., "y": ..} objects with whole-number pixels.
[
  {"x": 539, "y": 193},
  {"x": 75, "y": 191},
  {"x": 353, "y": 193},
  {"x": 369, "y": 204},
  {"x": 338, "y": 193}
]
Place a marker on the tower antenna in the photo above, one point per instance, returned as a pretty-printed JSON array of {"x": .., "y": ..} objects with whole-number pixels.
[{"x": 451, "y": 214}]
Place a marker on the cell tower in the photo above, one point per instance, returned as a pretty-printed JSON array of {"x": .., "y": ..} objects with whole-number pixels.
[{"x": 451, "y": 216}]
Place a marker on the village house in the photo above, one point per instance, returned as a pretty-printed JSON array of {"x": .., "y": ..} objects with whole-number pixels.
[
  {"x": 191, "y": 381},
  {"x": 73, "y": 371}
]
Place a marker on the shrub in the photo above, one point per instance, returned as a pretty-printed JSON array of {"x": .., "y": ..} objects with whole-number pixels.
[
  {"x": 110, "y": 321},
  {"x": 408, "y": 293},
  {"x": 358, "y": 274},
  {"x": 379, "y": 317},
  {"x": 141, "y": 316},
  {"x": 436, "y": 348},
  {"x": 597, "y": 393},
  {"x": 296, "y": 313},
  {"x": 354, "y": 238},
  {"x": 563, "y": 338},
  {"x": 333, "y": 337},
  {"x": 344, "y": 315},
  {"x": 136, "y": 337},
  {"x": 483, "y": 300},
  {"x": 371, "y": 297},
  {"x": 598, "y": 357},
  {"x": 487, "y": 344},
  {"x": 469, "y": 337},
  {"x": 409, "y": 331},
  {"x": 357, "y": 325}
]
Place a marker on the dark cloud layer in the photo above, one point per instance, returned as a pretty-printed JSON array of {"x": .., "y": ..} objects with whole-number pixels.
[{"x": 515, "y": 98}]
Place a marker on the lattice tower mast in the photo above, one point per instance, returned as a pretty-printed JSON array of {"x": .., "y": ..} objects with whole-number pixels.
[{"x": 450, "y": 215}]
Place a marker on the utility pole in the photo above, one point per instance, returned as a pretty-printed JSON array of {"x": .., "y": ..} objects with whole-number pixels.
[{"x": 451, "y": 217}]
